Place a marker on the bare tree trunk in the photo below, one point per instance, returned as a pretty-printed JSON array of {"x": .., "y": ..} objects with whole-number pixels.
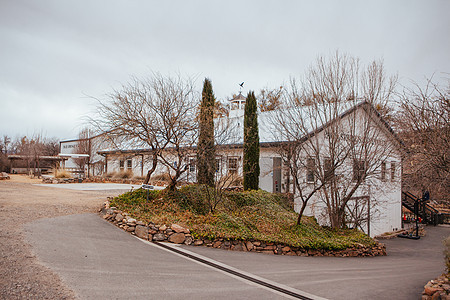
[
  {"x": 154, "y": 164},
  {"x": 173, "y": 183},
  {"x": 300, "y": 214},
  {"x": 38, "y": 167}
]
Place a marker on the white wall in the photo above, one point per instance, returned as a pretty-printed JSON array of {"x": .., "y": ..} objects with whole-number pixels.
[
  {"x": 68, "y": 147},
  {"x": 385, "y": 196},
  {"x": 385, "y": 208}
]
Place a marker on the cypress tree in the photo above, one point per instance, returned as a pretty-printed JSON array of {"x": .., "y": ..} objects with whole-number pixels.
[
  {"x": 251, "y": 144},
  {"x": 206, "y": 156}
]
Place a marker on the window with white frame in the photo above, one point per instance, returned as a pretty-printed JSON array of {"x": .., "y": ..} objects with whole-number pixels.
[
  {"x": 393, "y": 167},
  {"x": 232, "y": 165},
  {"x": 192, "y": 164},
  {"x": 121, "y": 164},
  {"x": 218, "y": 164},
  {"x": 359, "y": 170},
  {"x": 129, "y": 163}
]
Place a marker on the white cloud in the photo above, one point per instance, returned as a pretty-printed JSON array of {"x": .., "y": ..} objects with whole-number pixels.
[{"x": 55, "y": 52}]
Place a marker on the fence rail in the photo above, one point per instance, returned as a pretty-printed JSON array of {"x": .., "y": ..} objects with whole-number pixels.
[{"x": 427, "y": 213}]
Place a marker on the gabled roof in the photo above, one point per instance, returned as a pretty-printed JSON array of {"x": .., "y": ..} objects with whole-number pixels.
[
  {"x": 268, "y": 131},
  {"x": 268, "y": 134}
]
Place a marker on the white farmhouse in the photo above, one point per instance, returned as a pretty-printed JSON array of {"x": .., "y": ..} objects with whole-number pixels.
[{"x": 376, "y": 203}]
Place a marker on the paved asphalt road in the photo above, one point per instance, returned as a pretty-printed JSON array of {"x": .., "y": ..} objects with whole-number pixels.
[
  {"x": 409, "y": 265},
  {"x": 99, "y": 261}
]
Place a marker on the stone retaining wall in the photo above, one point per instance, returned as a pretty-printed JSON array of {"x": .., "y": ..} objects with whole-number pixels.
[
  {"x": 58, "y": 180},
  {"x": 438, "y": 288},
  {"x": 177, "y": 234},
  {"x": 97, "y": 179}
]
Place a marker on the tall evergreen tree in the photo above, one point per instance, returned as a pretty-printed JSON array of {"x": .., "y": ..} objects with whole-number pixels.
[
  {"x": 206, "y": 156},
  {"x": 251, "y": 144}
]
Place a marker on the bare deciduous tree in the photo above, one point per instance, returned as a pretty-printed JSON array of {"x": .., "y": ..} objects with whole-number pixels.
[
  {"x": 270, "y": 99},
  {"x": 335, "y": 144},
  {"x": 32, "y": 149},
  {"x": 423, "y": 122},
  {"x": 50, "y": 146},
  {"x": 157, "y": 113},
  {"x": 4, "y": 146},
  {"x": 83, "y": 146},
  {"x": 223, "y": 181},
  {"x": 220, "y": 110}
]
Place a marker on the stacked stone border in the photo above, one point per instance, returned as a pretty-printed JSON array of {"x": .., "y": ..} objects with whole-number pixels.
[
  {"x": 177, "y": 234},
  {"x": 438, "y": 288},
  {"x": 59, "y": 180}
]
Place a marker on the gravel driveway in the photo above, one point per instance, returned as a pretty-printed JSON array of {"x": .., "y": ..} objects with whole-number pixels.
[{"x": 21, "y": 276}]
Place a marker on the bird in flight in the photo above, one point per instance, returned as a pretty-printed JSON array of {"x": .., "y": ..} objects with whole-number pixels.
[{"x": 242, "y": 84}]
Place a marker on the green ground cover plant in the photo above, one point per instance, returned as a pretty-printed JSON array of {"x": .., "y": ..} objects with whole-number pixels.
[{"x": 248, "y": 215}]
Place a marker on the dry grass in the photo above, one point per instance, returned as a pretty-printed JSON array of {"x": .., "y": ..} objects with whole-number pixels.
[
  {"x": 109, "y": 175},
  {"x": 62, "y": 173},
  {"x": 161, "y": 177},
  {"x": 124, "y": 174}
]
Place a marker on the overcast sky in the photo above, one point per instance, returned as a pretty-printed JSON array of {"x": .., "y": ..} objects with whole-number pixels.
[{"x": 54, "y": 53}]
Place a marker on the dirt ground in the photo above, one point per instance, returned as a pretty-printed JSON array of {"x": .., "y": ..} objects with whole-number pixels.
[{"x": 21, "y": 275}]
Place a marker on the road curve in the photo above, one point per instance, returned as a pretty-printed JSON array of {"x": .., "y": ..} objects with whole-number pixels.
[{"x": 99, "y": 261}]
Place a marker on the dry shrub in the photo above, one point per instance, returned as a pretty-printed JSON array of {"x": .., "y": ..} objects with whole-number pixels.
[
  {"x": 110, "y": 175},
  {"x": 62, "y": 173},
  {"x": 128, "y": 174},
  {"x": 161, "y": 177}
]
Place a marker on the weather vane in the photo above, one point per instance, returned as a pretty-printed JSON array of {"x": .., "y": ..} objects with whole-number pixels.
[{"x": 241, "y": 86}]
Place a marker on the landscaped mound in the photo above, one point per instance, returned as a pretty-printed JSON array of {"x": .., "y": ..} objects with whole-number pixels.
[{"x": 250, "y": 215}]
